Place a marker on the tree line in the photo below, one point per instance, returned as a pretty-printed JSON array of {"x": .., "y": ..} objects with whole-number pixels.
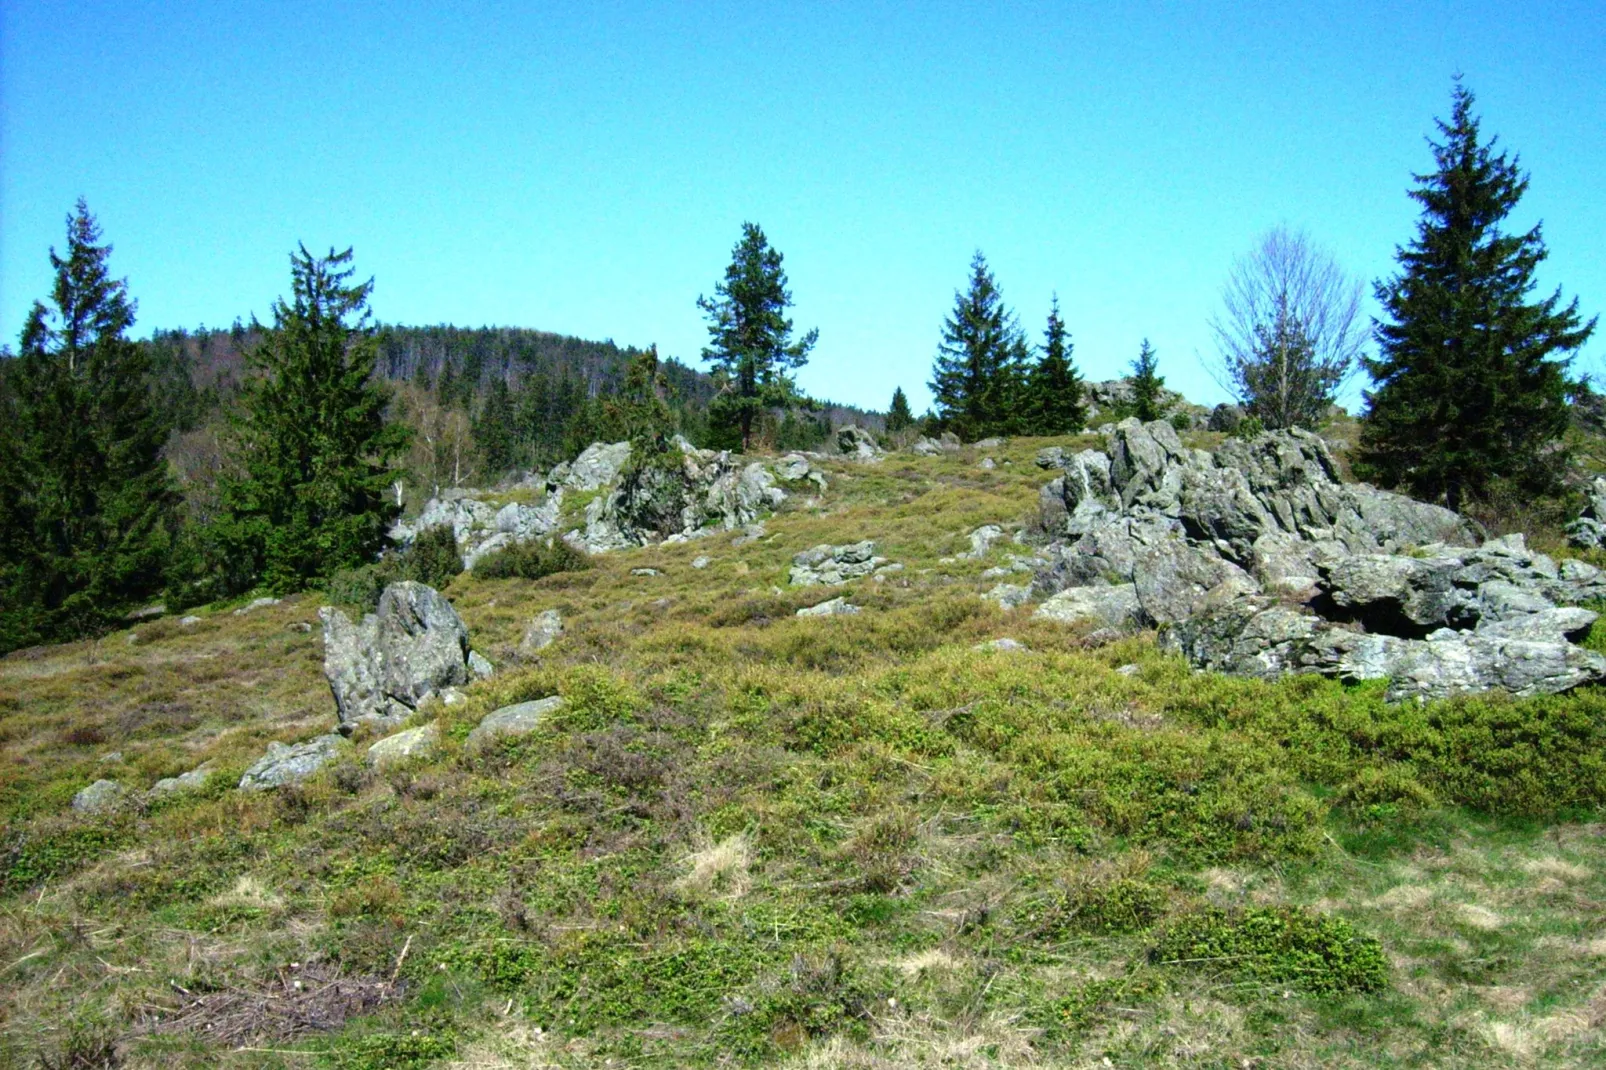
[
  {"x": 1470, "y": 383},
  {"x": 120, "y": 490}
]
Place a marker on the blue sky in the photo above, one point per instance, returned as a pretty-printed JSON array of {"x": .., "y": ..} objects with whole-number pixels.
[{"x": 586, "y": 168}]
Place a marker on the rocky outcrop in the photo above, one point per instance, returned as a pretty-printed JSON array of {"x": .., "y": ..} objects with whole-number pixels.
[
  {"x": 947, "y": 442},
  {"x": 687, "y": 494},
  {"x": 1588, "y": 531},
  {"x": 834, "y": 565},
  {"x": 291, "y": 763},
  {"x": 1256, "y": 559},
  {"x": 856, "y": 444},
  {"x": 413, "y": 646}
]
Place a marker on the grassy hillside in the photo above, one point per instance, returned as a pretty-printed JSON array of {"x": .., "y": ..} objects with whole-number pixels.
[{"x": 749, "y": 838}]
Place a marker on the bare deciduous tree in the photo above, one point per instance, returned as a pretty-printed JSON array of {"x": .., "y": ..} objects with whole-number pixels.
[{"x": 1290, "y": 332}]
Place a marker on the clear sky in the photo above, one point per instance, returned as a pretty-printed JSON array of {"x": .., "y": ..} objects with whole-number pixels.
[{"x": 586, "y": 167}]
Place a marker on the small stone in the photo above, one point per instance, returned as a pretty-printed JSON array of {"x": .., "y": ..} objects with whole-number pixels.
[
  {"x": 114, "y": 756},
  {"x": 190, "y": 621},
  {"x": 299, "y": 626},
  {"x": 701, "y": 562},
  {"x": 517, "y": 720},
  {"x": 1009, "y": 595},
  {"x": 1003, "y": 646},
  {"x": 645, "y": 572},
  {"x": 1128, "y": 670},
  {"x": 541, "y": 633},
  {"x": 480, "y": 665},
  {"x": 836, "y": 607},
  {"x": 99, "y": 797},
  {"x": 196, "y": 778},
  {"x": 256, "y": 603},
  {"x": 987, "y": 464}
]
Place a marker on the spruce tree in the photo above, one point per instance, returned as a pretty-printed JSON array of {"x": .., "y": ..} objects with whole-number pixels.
[
  {"x": 1466, "y": 391},
  {"x": 899, "y": 418},
  {"x": 1146, "y": 384},
  {"x": 750, "y": 338},
  {"x": 311, "y": 437},
  {"x": 87, "y": 500},
  {"x": 976, "y": 374},
  {"x": 494, "y": 430},
  {"x": 1054, "y": 389}
]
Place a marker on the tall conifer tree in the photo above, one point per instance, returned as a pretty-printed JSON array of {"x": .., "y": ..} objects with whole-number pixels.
[
  {"x": 87, "y": 500},
  {"x": 976, "y": 375},
  {"x": 899, "y": 417},
  {"x": 750, "y": 339},
  {"x": 1055, "y": 405},
  {"x": 1147, "y": 383},
  {"x": 312, "y": 437},
  {"x": 1467, "y": 391}
]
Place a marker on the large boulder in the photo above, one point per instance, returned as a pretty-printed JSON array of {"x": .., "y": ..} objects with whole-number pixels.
[
  {"x": 413, "y": 646},
  {"x": 1588, "y": 531}
]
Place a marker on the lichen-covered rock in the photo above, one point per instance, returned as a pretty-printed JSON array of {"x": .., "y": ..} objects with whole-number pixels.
[
  {"x": 1372, "y": 585},
  {"x": 857, "y": 444},
  {"x": 101, "y": 797},
  {"x": 982, "y": 540},
  {"x": 415, "y": 644},
  {"x": 1104, "y": 607},
  {"x": 194, "y": 780},
  {"x": 541, "y": 632},
  {"x": 509, "y": 721},
  {"x": 1005, "y": 645},
  {"x": 834, "y": 565},
  {"x": 479, "y": 666},
  {"x": 836, "y": 607},
  {"x": 1009, "y": 595},
  {"x": 1588, "y": 531},
  {"x": 290, "y": 764},
  {"x": 399, "y": 747},
  {"x": 598, "y": 465}
]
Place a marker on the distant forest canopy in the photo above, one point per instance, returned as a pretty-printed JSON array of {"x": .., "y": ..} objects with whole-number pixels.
[{"x": 448, "y": 384}]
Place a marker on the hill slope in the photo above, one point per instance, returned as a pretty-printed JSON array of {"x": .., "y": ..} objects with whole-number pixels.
[{"x": 750, "y": 837}]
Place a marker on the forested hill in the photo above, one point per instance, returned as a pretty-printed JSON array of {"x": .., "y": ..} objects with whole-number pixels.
[{"x": 445, "y": 377}]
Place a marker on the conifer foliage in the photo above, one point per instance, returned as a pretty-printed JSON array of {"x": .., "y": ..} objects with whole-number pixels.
[
  {"x": 750, "y": 338},
  {"x": 312, "y": 441},
  {"x": 1468, "y": 391},
  {"x": 1054, "y": 404},
  {"x": 977, "y": 375},
  {"x": 86, "y": 505},
  {"x": 1146, "y": 384},
  {"x": 899, "y": 418}
]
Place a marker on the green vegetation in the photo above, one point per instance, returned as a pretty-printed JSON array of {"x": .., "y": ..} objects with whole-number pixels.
[
  {"x": 86, "y": 505},
  {"x": 750, "y": 343},
  {"x": 981, "y": 360},
  {"x": 753, "y": 839},
  {"x": 313, "y": 446},
  {"x": 1146, "y": 383},
  {"x": 1052, "y": 402},
  {"x": 1469, "y": 391},
  {"x": 531, "y": 560}
]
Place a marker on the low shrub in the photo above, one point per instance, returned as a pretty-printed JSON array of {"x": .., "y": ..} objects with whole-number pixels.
[
  {"x": 433, "y": 558},
  {"x": 531, "y": 561},
  {"x": 1375, "y": 795},
  {"x": 1098, "y": 897},
  {"x": 1274, "y": 945}
]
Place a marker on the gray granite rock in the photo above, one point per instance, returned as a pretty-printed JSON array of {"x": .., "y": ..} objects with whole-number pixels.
[
  {"x": 103, "y": 796},
  {"x": 404, "y": 746},
  {"x": 836, "y": 607},
  {"x": 509, "y": 721},
  {"x": 290, "y": 764}
]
